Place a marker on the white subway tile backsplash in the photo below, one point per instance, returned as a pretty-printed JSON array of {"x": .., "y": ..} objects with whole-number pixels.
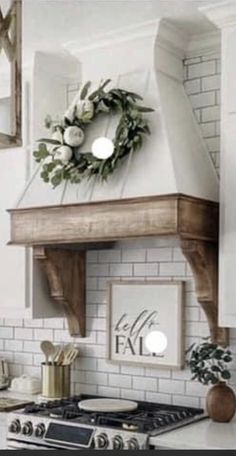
[
  {"x": 92, "y": 256},
  {"x": 186, "y": 401},
  {"x": 178, "y": 255},
  {"x": 32, "y": 371},
  {"x": 122, "y": 270},
  {"x": 84, "y": 388},
  {"x": 159, "y": 254},
  {"x": 109, "y": 256},
  {"x": 172, "y": 269},
  {"x": 193, "y": 86},
  {"x": 98, "y": 324},
  {"x": 92, "y": 283},
  {"x": 97, "y": 270},
  {"x": 13, "y": 345},
  {"x": 132, "y": 370},
  {"x": 158, "y": 397},
  {"x": 122, "y": 381},
  {"x": 145, "y": 384},
  {"x": 134, "y": 255},
  {"x": 43, "y": 334},
  {"x": 213, "y": 144},
  {"x": 95, "y": 297},
  {"x": 202, "y": 69},
  {"x": 210, "y": 114},
  {"x": 145, "y": 269},
  {"x": 53, "y": 323},
  {"x": 157, "y": 373},
  {"x": 36, "y": 323},
  {"x": 201, "y": 100},
  {"x": 171, "y": 386},
  {"x": 134, "y": 395},
  {"x": 211, "y": 82},
  {"x": 192, "y": 313},
  {"x": 101, "y": 337},
  {"x": 194, "y": 388},
  {"x": 23, "y": 358},
  {"x": 208, "y": 129},
  {"x": 23, "y": 333},
  {"x": 31, "y": 346},
  {"x": 6, "y": 332},
  {"x": 13, "y": 322},
  {"x": 109, "y": 391},
  {"x": 86, "y": 364},
  {"x": 104, "y": 366},
  {"x": 96, "y": 378}
]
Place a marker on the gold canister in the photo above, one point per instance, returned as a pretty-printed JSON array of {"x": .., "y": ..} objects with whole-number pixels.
[{"x": 55, "y": 381}]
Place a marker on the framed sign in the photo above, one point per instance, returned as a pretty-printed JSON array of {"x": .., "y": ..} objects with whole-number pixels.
[{"x": 145, "y": 323}]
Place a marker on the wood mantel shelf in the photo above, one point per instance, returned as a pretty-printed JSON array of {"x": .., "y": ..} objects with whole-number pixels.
[{"x": 193, "y": 220}]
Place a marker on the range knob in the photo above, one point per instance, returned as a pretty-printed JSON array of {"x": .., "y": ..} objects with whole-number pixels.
[
  {"x": 132, "y": 444},
  {"x": 27, "y": 428},
  {"x": 117, "y": 443},
  {"x": 101, "y": 440},
  {"x": 15, "y": 427},
  {"x": 39, "y": 430}
]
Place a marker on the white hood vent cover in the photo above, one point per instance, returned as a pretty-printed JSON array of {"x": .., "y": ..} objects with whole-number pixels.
[{"x": 147, "y": 59}]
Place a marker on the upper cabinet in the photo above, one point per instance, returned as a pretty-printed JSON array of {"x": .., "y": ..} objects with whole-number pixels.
[
  {"x": 224, "y": 16},
  {"x": 24, "y": 289},
  {"x": 227, "y": 290}
]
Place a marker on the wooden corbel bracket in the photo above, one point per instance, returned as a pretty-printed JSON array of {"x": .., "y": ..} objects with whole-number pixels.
[
  {"x": 65, "y": 271},
  {"x": 203, "y": 259}
]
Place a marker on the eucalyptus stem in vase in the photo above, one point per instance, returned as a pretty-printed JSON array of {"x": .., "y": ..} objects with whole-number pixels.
[{"x": 208, "y": 363}]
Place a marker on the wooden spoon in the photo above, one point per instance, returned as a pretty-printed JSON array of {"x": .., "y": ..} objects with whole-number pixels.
[{"x": 48, "y": 349}]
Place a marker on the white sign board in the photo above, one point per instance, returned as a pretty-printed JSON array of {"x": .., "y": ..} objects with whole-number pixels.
[{"x": 145, "y": 323}]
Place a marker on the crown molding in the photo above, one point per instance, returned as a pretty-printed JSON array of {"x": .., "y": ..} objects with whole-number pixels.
[
  {"x": 162, "y": 32},
  {"x": 204, "y": 44},
  {"x": 222, "y": 14}
]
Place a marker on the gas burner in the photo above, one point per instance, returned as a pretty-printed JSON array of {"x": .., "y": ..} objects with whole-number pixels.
[{"x": 56, "y": 412}]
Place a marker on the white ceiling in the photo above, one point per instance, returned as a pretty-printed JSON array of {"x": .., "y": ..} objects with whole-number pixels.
[{"x": 48, "y": 24}]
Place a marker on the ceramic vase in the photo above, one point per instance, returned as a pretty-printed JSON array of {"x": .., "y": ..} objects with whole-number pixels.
[{"x": 221, "y": 403}]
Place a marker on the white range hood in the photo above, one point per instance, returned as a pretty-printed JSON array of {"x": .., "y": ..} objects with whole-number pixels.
[
  {"x": 147, "y": 59},
  {"x": 169, "y": 187}
]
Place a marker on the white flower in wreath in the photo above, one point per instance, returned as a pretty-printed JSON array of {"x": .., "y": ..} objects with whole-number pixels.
[
  {"x": 63, "y": 153},
  {"x": 58, "y": 136},
  {"x": 74, "y": 136},
  {"x": 84, "y": 110},
  {"x": 48, "y": 160}
]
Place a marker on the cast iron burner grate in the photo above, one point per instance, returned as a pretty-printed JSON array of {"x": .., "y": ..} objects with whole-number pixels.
[{"x": 151, "y": 418}]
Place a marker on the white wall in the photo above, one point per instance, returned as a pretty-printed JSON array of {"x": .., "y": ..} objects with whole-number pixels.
[{"x": 144, "y": 260}]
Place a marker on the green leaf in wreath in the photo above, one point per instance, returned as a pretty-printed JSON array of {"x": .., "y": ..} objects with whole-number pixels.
[
  {"x": 144, "y": 109},
  {"x": 49, "y": 141},
  {"x": 104, "y": 84},
  {"x": 84, "y": 90}
]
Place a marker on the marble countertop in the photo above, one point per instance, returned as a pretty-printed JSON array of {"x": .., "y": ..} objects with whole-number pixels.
[{"x": 204, "y": 434}]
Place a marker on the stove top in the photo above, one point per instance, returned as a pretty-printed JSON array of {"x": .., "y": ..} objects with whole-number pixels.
[{"x": 62, "y": 424}]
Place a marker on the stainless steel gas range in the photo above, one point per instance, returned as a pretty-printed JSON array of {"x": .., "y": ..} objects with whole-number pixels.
[{"x": 69, "y": 424}]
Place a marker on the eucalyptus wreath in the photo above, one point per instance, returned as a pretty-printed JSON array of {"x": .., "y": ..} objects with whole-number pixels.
[{"x": 61, "y": 156}]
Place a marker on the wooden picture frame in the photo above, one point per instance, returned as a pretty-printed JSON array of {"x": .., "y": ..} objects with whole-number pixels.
[
  {"x": 136, "y": 308},
  {"x": 10, "y": 44}
]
